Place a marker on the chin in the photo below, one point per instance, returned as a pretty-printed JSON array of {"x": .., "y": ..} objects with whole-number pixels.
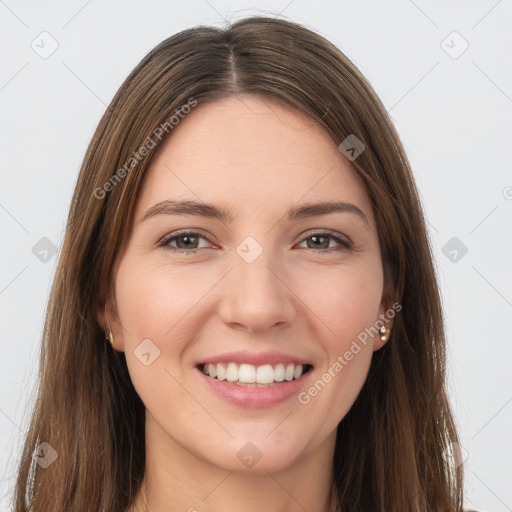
[{"x": 252, "y": 455}]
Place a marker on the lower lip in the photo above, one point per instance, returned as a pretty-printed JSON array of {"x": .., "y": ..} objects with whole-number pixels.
[{"x": 255, "y": 397}]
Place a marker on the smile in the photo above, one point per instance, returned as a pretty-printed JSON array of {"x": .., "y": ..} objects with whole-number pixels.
[
  {"x": 269, "y": 384},
  {"x": 254, "y": 376}
]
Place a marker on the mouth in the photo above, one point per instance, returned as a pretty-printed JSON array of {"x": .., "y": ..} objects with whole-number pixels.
[{"x": 248, "y": 375}]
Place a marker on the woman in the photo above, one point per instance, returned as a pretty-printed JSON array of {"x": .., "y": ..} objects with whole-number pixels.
[{"x": 245, "y": 314}]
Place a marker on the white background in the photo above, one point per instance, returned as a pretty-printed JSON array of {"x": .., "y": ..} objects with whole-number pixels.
[{"x": 453, "y": 115}]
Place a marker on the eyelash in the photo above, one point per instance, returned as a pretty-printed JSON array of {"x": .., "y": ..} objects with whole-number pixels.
[{"x": 344, "y": 245}]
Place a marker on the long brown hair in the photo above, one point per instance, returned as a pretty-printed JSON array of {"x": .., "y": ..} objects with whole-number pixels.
[{"x": 391, "y": 446}]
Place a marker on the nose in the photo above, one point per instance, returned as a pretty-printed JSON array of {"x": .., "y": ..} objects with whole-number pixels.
[{"x": 256, "y": 295}]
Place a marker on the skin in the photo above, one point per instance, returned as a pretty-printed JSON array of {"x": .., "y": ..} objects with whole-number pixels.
[{"x": 257, "y": 158}]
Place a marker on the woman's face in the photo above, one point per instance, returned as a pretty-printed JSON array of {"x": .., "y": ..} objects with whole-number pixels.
[{"x": 257, "y": 288}]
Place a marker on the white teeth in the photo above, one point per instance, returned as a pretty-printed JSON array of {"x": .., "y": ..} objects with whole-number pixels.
[
  {"x": 211, "y": 370},
  {"x": 288, "y": 374},
  {"x": 221, "y": 371},
  {"x": 279, "y": 372},
  {"x": 265, "y": 374},
  {"x": 249, "y": 374},
  {"x": 232, "y": 372}
]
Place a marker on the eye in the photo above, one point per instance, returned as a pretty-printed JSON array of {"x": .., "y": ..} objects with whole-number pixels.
[
  {"x": 321, "y": 240},
  {"x": 189, "y": 242}
]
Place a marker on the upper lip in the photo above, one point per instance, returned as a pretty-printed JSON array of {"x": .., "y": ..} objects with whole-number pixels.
[{"x": 256, "y": 359}]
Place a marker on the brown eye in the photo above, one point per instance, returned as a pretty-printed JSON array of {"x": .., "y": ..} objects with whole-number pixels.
[
  {"x": 186, "y": 242},
  {"x": 323, "y": 241}
]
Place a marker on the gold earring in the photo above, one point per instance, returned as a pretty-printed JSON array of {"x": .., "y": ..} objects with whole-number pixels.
[
  {"x": 383, "y": 332},
  {"x": 110, "y": 338}
]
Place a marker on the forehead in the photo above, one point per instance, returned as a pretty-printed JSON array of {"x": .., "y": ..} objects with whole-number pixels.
[{"x": 253, "y": 155}]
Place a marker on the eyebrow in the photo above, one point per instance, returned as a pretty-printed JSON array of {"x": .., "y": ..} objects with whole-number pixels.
[{"x": 169, "y": 207}]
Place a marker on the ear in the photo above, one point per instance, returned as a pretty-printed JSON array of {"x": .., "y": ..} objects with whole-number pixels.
[{"x": 108, "y": 319}]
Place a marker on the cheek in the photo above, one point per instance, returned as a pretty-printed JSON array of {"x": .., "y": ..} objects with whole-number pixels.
[
  {"x": 347, "y": 306},
  {"x": 345, "y": 300},
  {"x": 154, "y": 305},
  {"x": 168, "y": 306},
  {"x": 155, "y": 302}
]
